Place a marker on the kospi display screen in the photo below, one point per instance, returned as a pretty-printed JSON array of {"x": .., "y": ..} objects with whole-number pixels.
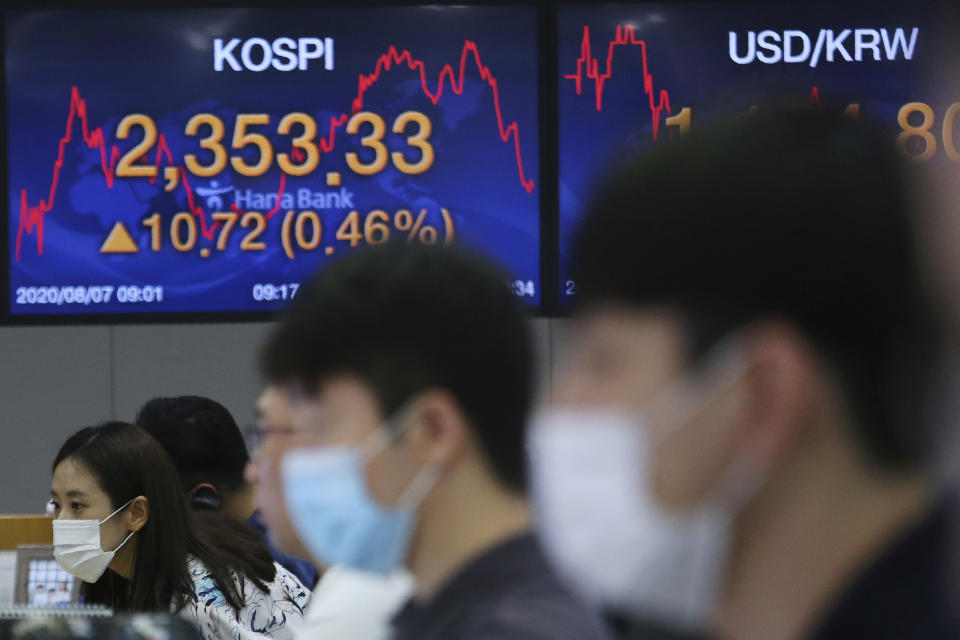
[
  {"x": 212, "y": 160},
  {"x": 631, "y": 77}
]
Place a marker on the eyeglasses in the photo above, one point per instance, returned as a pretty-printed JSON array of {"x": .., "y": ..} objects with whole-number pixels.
[{"x": 255, "y": 435}]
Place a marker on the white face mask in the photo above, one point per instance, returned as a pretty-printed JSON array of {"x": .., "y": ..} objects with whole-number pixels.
[
  {"x": 605, "y": 531},
  {"x": 76, "y": 546}
]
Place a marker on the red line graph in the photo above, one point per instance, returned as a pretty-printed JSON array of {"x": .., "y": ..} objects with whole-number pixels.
[
  {"x": 31, "y": 218},
  {"x": 447, "y": 74},
  {"x": 625, "y": 35}
]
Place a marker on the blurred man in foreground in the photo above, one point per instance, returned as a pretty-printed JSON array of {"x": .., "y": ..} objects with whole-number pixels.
[
  {"x": 413, "y": 369},
  {"x": 738, "y": 442}
]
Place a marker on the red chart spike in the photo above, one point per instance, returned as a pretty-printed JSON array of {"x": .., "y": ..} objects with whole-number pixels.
[
  {"x": 590, "y": 66},
  {"x": 31, "y": 218}
]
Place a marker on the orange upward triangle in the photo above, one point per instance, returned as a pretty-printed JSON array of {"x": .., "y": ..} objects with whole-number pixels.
[{"x": 119, "y": 241}]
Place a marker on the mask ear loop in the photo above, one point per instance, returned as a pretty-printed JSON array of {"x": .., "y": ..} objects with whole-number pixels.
[
  {"x": 383, "y": 437},
  {"x": 124, "y": 542},
  {"x": 129, "y": 502},
  {"x": 722, "y": 367},
  {"x": 376, "y": 443},
  {"x": 420, "y": 486},
  {"x": 725, "y": 366}
]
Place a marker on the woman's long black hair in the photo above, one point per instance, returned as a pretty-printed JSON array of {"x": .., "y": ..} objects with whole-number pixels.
[{"x": 127, "y": 462}]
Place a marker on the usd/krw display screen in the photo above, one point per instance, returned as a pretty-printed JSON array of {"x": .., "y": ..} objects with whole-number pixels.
[
  {"x": 632, "y": 76},
  {"x": 213, "y": 160}
]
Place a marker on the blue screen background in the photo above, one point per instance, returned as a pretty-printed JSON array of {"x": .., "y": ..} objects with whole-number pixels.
[
  {"x": 160, "y": 63},
  {"x": 687, "y": 56}
]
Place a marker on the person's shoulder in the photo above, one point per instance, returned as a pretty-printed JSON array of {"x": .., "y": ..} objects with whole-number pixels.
[
  {"x": 287, "y": 578},
  {"x": 529, "y": 601},
  {"x": 539, "y": 610},
  {"x": 287, "y": 586},
  {"x": 207, "y": 593},
  {"x": 300, "y": 567},
  {"x": 346, "y": 593},
  {"x": 196, "y": 568}
]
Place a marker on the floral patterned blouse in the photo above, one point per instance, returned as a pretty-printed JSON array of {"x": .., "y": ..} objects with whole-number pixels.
[{"x": 277, "y": 614}]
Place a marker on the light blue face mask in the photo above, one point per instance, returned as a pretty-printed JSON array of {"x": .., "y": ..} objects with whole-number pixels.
[{"x": 333, "y": 513}]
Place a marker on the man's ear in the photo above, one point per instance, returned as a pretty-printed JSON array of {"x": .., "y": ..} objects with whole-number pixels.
[
  {"x": 780, "y": 388},
  {"x": 441, "y": 431},
  {"x": 747, "y": 417},
  {"x": 138, "y": 513}
]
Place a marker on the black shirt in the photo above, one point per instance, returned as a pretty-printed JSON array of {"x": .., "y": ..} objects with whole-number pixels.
[
  {"x": 507, "y": 593},
  {"x": 907, "y": 593}
]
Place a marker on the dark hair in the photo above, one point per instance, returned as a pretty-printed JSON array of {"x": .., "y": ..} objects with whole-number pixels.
[
  {"x": 405, "y": 318},
  {"x": 128, "y": 463},
  {"x": 201, "y": 438},
  {"x": 798, "y": 216}
]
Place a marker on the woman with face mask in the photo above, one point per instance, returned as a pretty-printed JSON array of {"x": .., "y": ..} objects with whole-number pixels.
[{"x": 123, "y": 527}]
